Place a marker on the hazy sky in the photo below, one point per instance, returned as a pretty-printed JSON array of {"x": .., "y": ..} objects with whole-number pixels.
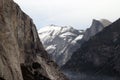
[{"x": 76, "y": 13}]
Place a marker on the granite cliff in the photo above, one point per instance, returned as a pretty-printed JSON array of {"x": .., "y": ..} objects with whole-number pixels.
[
  {"x": 22, "y": 56},
  {"x": 97, "y": 26},
  {"x": 100, "y": 55}
]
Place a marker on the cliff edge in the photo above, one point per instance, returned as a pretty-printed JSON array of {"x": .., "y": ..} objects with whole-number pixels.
[{"x": 22, "y": 56}]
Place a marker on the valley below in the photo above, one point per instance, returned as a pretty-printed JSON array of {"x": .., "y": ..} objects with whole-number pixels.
[{"x": 88, "y": 76}]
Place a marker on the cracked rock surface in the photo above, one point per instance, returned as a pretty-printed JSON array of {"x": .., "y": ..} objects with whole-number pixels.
[{"x": 22, "y": 56}]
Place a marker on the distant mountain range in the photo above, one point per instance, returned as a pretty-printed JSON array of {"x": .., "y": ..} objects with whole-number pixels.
[{"x": 61, "y": 41}]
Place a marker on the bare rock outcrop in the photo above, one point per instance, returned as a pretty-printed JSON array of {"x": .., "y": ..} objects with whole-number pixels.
[
  {"x": 97, "y": 26},
  {"x": 22, "y": 56}
]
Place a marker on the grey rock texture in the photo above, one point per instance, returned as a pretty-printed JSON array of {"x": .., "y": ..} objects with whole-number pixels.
[
  {"x": 60, "y": 41},
  {"x": 100, "y": 55},
  {"x": 22, "y": 56},
  {"x": 97, "y": 26}
]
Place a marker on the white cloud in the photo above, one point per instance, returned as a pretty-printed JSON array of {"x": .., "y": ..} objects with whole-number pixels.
[{"x": 70, "y": 12}]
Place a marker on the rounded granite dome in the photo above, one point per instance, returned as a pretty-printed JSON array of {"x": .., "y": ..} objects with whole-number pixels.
[{"x": 105, "y": 22}]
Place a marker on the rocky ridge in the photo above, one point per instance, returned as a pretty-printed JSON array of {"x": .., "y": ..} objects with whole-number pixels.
[
  {"x": 100, "y": 54},
  {"x": 60, "y": 41}
]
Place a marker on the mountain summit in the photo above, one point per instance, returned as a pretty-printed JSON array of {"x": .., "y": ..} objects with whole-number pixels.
[
  {"x": 59, "y": 41},
  {"x": 105, "y": 22},
  {"x": 97, "y": 26}
]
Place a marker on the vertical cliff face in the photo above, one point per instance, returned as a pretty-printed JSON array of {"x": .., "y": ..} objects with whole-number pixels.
[
  {"x": 100, "y": 54},
  {"x": 22, "y": 56},
  {"x": 97, "y": 26}
]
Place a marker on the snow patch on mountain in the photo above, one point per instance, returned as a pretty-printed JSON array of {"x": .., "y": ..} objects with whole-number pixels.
[{"x": 59, "y": 41}]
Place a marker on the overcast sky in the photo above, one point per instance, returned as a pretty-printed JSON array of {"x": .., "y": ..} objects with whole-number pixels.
[{"x": 76, "y": 13}]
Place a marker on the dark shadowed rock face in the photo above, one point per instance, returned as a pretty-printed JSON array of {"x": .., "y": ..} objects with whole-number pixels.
[
  {"x": 22, "y": 56},
  {"x": 100, "y": 54},
  {"x": 35, "y": 75}
]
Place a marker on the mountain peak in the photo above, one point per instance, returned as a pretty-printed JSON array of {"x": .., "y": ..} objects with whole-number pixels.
[
  {"x": 56, "y": 29},
  {"x": 104, "y": 22},
  {"x": 96, "y": 26},
  {"x": 58, "y": 41},
  {"x": 99, "y": 55},
  {"x": 52, "y": 25}
]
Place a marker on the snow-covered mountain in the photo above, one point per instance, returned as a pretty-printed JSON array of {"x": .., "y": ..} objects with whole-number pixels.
[{"x": 60, "y": 41}]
